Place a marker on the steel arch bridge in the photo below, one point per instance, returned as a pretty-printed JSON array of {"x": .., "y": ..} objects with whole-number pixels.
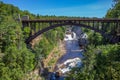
[{"x": 98, "y": 25}]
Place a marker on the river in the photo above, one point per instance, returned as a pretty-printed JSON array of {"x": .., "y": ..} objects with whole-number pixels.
[{"x": 73, "y": 51}]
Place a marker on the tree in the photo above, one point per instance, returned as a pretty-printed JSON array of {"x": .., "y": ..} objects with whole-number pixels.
[{"x": 99, "y": 63}]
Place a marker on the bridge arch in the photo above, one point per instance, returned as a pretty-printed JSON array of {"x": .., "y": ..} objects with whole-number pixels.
[{"x": 63, "y": 24}]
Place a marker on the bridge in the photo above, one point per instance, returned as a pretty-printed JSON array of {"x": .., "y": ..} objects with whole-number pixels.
[{"x": 108, "y": 28}]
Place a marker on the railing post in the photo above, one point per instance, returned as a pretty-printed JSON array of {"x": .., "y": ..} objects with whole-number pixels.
[
  {"x": 93, "y": 24},
  {"x": 102, "y": 26},
  {"x": 34, "y": 26},
  {"x": 30, "y": 29}
]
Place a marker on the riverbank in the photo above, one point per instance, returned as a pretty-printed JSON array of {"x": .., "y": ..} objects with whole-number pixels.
[
  {"x": 53, "y": 57},
  {"x": 49, "y": 62}
]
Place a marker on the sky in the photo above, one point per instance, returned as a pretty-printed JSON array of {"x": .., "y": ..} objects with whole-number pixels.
[{"x": 79, "y": 8}]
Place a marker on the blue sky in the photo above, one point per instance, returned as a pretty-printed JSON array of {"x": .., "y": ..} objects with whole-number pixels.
[{"x": 82, "y": 8}]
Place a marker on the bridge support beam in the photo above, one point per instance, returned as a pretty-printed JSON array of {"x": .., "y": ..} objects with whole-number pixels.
[{"x": 37, "y": 27}]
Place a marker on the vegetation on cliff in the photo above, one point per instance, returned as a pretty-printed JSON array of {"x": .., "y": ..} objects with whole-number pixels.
[
  {"x": 101, "y": 60},
  {"x": 15, "y": 58}
]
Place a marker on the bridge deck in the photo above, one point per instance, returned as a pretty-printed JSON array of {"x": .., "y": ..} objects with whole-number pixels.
[
  {"x": 58, "y": 20},
  {"x": 97, "y": 24}
]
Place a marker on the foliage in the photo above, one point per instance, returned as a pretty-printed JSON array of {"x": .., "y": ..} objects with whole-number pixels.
[
  {"x": 114, "y": 12},
  {"x": 49, "y": 41},
  {"x": 100, "y": 63},
  {"x": 16, "y": 63},
  {"x": 16, "y": 59},
  {"x": 94, "y": 37},
  {"x": 26, "y": 32}
]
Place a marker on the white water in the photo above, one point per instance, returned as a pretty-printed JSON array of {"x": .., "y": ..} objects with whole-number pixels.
[{"x": 73, "y": 55}]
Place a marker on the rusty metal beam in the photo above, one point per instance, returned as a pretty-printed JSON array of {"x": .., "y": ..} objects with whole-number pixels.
[
  {"x": 87, "y": 23},
  {"x": 60, "y": 20}
]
